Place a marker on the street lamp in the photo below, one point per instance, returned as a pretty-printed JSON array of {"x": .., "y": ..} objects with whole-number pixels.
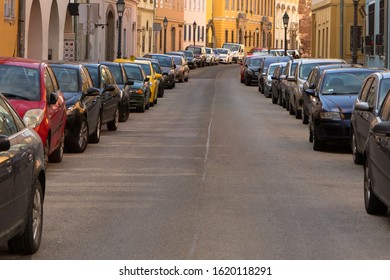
[
  {"x": 257, "y": 35},
  {"x": 194, "y": 26},
  {"x": 165, "y": 24},
  {"x": 285, "y": 24},
  {"x": 120, "y": 7},
  {"x": 269, "y": 36},
  {"x": 354, "y": 32}
]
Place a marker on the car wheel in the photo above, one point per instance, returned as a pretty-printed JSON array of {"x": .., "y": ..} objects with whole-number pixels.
[
  {"x": 305, "y": 118},
  {"x": 357, "y": 157},
  {"x": 318, "y": 145},
  {"x": 310, "y": 134},
  {"x": 147, "y": 105},
  {"x": 298, "y": 113},
  {"x": 113, "y": 125},
  {"x": 274, "y": 99},
  {"x": 29, "y": 241},
  {"x": 81, "y": 142},
  {"x": 290, "y": 108},
  {"x": 58, "y": 153},
  {"x": 95, "y": 137},
  {"x": 124, "y": 112},
  {"x": 372, "y": 203}
]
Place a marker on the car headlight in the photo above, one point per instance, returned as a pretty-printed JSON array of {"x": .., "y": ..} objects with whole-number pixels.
[
  {"x": 33, "y": 117},
  {"x": 331, "y": 115},
  {"x": 171, "y": 72}
]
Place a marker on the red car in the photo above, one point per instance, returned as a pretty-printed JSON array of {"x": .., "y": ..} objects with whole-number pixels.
[{"x": 32, "y": 89}]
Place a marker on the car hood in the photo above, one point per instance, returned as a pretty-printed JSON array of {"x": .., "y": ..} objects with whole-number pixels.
[
  {"x": 341, "y": 103},
  {"x": 71, "y": 97},
  {"x": 22, "y": 106}
]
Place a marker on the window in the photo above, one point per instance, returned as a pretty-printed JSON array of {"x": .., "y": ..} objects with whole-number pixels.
[
  {"x": 226, "y": 36},
  {"x": 9, "y": 9},
  {"x": 227, "y": 4}
]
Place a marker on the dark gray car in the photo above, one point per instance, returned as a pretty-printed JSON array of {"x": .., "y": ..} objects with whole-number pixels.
[{"x": 22, "y": 183}]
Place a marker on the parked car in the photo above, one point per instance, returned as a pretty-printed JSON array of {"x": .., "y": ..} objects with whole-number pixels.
[
  {"x": 32, "y": 88},
  {"x": 225, "y": 56},
  {"x": 263, "y": 68},
  {"x": 153, "y": 80},
  {"x": 377, "y": 164},
  {"x": 333, "y": 100},
  {"x": 159, "y": 75},
  {"x": 216, "y": 56},
  {"x": 251, "y": 70},
  {"x": 190, "y": 58},
  {"x": 168, "y": 66},
  {"x": 312, "y": 81},
  {"x": 268, "y": 78},
  {"x": 243, "y": 66},
  {"x": 365, "y": 113},
  {"x": 22, "y": 183},
  {"x": 109, "y": 93},
  {"x": 298, "y": 78},
  {"x": 199, "y": 53},
  {"x": 120, "y": 77},
  {"x": 275, "y": 84},
  {"x": 210, "y": 57},
  {"x": 82, "y": 106},
  {"x": 182, "y": 71},
  {"x": 289, "y": 70},
  {"x": 140, "y": 89}
]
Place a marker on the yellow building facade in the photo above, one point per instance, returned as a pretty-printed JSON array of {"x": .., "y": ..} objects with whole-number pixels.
[
  {"x": 248, "y": 22},
  {"x": 332, "y": 25},
  {"x": 9, "y": 28}
]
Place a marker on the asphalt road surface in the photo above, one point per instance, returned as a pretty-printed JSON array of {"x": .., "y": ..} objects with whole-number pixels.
[{"x": 213, "y": 171}]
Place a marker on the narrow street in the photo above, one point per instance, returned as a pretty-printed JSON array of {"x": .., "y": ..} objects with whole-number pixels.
[{"x": 213, "y": 171}]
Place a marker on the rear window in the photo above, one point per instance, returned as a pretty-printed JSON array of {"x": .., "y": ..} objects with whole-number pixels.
[{"x": 19, "y": 82}]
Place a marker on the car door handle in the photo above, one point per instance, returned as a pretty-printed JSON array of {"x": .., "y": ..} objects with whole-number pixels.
[{"x": 9, "y": 166}]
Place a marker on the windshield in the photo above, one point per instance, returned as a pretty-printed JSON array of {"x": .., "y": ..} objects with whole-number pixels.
[
  {"x": 384, "y": 88},
  {"x": 194, "y": 50},
  {"x": 255, "y": 62},
  {"x": 156, "y": 67},
  {"x": 67, "y": 78},
  {"x": 272, "y": 68},
  {"x": 133, "y": 72},
  {"x": 223, "y": 51},
  {"x": 19, "y": 82},
  {"x": 146, "y": 68},
  {"x": 116, "y": 72},
  {"x": 340, "y": 83},
  {"x": 177, "y": 60}
]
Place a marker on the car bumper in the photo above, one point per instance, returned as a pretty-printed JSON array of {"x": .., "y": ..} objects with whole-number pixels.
[{"x": 333, "y": 130}]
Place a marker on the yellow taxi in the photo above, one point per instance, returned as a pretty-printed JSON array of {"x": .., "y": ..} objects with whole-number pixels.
[{"x": 149, "y": 71}]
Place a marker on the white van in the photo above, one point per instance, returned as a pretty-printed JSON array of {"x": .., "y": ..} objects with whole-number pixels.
[{"x": 238, "y": 50}]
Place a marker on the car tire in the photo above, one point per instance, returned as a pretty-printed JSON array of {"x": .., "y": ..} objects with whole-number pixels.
[
  {"x": 113, "y": 125},
  {"x": 290, "y": 108},
  {"x": 298, "y": 113},
  {"x": 81, "y": 140},
  {"x": 318, "y": 145},
  {"x": 305, "y": 118},
  {"x": 95, "y": 136},
  {"x": 124, "y": 112},
  {"x": 356, "y": 156},
  {"x": 373, "y": 205},
  {"x": 57, "y": 155},
  {"x": 29, "y": 241}
]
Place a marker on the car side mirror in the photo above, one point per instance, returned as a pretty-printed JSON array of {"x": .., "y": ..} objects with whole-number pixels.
[
  {"x": 5, "y": 144},
  {"x": 53, "y": 97},
  {"x": 109, "y": 88},
  {"x": 382, "y": 129},
  {"x": 310, "y": 91},
  {"x": 92, "y": 91},
  {"x": 274, "y": 78},
  {"x": 312, "y": 86},
  {"x": 362, "y": 106}
]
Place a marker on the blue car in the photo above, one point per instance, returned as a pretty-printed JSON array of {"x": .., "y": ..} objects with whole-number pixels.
[{"x": 332, "y": 104}]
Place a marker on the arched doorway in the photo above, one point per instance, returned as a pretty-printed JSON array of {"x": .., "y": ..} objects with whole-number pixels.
[
  {"x": 53, "y": 42},
  {"x": 110, "y": 36},
  {"x": 35, "y": 39}
]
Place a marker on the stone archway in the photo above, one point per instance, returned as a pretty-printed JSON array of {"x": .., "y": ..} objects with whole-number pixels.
[
  {"x": 35, "y": 38},
  {"x": 54, "y": 32},
  {"x": 210, "y": 35},
  {"x": 110, "y": 36}
]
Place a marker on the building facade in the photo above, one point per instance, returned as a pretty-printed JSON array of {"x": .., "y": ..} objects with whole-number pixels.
[
  {"x": 9, "y": 27},
  {"x": 291, "y": 8},
  {"x": 195, "y": 24},
  {"x": 332, "y": 29},
  {"x": 145, "y": 34},
  {"x": 169, "y": 37}
]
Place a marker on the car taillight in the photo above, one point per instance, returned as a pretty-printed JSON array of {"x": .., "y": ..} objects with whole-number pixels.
[{"x": 33, "y": 117}]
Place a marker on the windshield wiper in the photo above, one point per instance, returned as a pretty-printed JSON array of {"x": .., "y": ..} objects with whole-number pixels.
[{"x": 14, "y": 96}]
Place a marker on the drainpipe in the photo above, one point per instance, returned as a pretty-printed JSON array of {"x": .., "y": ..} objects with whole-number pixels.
[
  {"x": 341, "y": 28},
  {"x": 21, "y": 29},
  {"x": 386, "y": 34}
]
